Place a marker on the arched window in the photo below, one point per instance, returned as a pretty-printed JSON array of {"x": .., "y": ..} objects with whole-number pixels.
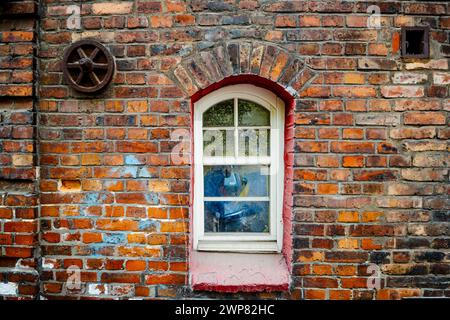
[{"x": 238, "y": 170}]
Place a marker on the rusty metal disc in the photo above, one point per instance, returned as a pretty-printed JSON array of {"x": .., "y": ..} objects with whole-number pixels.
[{"x": 88, "y": 66}]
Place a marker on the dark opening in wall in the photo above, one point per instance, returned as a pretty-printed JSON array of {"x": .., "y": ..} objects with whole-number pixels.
[{"x": 415, "y": 42}]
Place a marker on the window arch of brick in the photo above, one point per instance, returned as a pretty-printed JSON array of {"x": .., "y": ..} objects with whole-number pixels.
[
  {"x": 260, "y": 64},
  {"x": 288, "y": 156}
]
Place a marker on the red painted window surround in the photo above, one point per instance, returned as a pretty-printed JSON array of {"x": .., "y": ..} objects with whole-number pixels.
[{"x": 288, "y": 186}]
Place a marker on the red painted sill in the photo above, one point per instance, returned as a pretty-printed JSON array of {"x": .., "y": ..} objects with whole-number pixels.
[{"x": 238, "y": 272}]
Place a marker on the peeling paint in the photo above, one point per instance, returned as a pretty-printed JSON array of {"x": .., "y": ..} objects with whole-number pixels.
[
  {"x": 8, "y": 289},
  {"x": 97, "y": 289},
  {"x": 48, "y": 263}
]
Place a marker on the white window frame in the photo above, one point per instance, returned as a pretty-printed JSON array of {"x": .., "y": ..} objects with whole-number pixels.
[{"x": 241, "y": 242}]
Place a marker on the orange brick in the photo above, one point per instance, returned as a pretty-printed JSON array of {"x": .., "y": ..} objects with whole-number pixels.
[
  {"x": 340, "y": 294},
  {"x": 137, "y": 106},
  {"x": 327, "y": 188},
  {"x": 321, "y": 269},
  {"x": 315, "y": 294},
  {"x": 157, "y": 213},
  {"x": 141, "y": 291},
  {"x": 348, "y": 216},
  {"x": 345, "y": 270},
  {"x": 371, "y": 216},
  {"x": 370, "y": 244},
  {"x": 167, "y": 279},
  {"x": 161, "y": 21},
  {"x": 91, "y": 159},
  {"x": 175, "y": 226},
  {"x": 351, "y": 133},
  {"x": 353, "y": 161},
  {"x": 135, "y": 265},
  {"x": 117, "y": 225},
  {"x": 90, "y": 237},
  {"x": 354, "y": 78},
  {"x": 158, "y": 265},
  {"x": 91, "y": 185},
  {"x": 347, "y": 243}
]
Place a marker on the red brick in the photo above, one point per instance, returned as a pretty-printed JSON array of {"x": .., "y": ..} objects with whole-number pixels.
[{"x": 166, "y": 279}]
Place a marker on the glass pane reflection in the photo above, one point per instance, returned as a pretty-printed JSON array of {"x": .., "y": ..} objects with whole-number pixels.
[
  {"x": 236, "y": 181},
  {"x": 252, "y": 114},
  {"x": 220, "y": 115},
  {"x": 237, "y": 216},
  {"x": 254, "y": 142},
  {"x": 218, "y": 143}
]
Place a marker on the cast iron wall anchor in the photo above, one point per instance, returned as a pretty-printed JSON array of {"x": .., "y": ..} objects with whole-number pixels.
[{"x": 88, "y": 66}]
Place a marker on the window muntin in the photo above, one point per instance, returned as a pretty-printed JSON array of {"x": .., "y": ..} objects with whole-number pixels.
[{"x": 238, "y": 180}]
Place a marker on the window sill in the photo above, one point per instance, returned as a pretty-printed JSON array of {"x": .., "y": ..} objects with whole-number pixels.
[{"x": 238, "y": 272}]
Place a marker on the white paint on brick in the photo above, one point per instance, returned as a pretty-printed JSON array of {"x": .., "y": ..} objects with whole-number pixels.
[
  {"x": 121, "y": 290},
  {"x": 292, "y": 91},
  {"x": 106, "y": 36},
  {"x": 48, "y": 263},
  {"x": 402, "y": 91},
  {"x": 441, "y": 78},
  {"x": 440, "y": 64},
  {"x": 8, "y": 289},
  {"x": 20, "y": 265},
  {"x": 96, "y": 289},
  {"x": 410, "y": 78},
  {"x": 378, "y": 119}
]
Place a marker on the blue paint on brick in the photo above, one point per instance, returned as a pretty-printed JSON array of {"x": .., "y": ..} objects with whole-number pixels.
[
  {"x": 148, "y": 225},
  {"x": 144, "y": 173},
  {"x": 185, "y": 51},
  {"x": 152, "y": 198},
  {"x": 130, "y": 159},
  {"x": 83, "y": 211},
  {"x": 131, "y": 120},
  {"x": 96, "y": 249},
  {"x": 92, "y": 198},
  {"x": 114, "y": 238},
  {"x": 129, "y": 172}
]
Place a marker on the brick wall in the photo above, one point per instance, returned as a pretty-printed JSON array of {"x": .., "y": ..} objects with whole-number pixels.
[
  {"x": 370, "y": 145},
  {"x": 18, "y": 189}
]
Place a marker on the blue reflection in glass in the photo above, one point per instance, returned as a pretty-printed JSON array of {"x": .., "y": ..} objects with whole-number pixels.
[
  {"x": 236, "y": 181},
  {"x": 236, "y": 216}
]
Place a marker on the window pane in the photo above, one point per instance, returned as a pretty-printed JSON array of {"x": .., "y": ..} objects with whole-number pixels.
[
  {"x": 237, "y": 216},
  {"x": 252, "y": 114},
  {"x": 254, "y": 142},
  {"x": 236, "y": 181},
  {"x": 220, "y": 115},
  {"x": 218, "y": 143}
]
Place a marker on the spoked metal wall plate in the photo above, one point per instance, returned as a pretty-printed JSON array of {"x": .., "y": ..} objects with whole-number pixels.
[{"x": 88, "y": 66}]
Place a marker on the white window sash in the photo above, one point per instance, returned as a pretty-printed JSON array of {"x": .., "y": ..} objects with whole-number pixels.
[{"x": 262, "y": 242}]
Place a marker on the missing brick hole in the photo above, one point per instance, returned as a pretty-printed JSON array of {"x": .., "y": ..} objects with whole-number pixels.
[{"x": 415, "y": 42}]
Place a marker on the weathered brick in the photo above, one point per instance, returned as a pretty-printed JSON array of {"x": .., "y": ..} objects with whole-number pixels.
[{"x": 424, "y": 118}]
